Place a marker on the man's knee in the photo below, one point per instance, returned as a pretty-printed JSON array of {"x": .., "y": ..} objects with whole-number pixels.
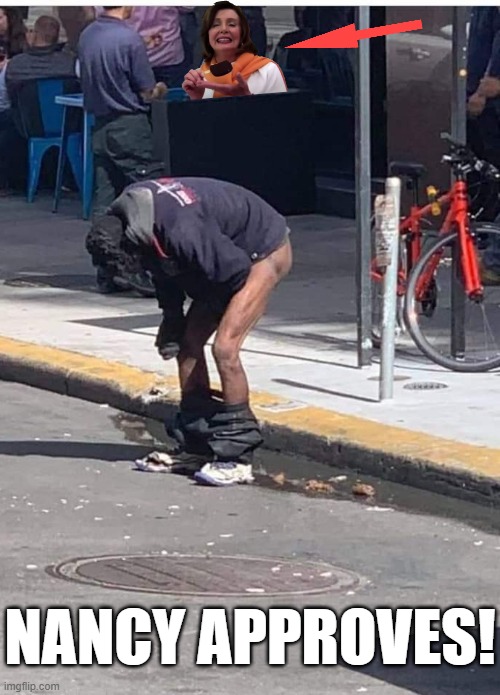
[{"x": 225, "y": 352}]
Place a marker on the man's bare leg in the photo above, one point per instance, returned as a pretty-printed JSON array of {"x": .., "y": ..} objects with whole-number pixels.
[
  {"x": 190, "y": 427},
  {"x": 243, "y": 312},
  {"x": 192, "y": 365},
  {"x": 234, "y": 431}
]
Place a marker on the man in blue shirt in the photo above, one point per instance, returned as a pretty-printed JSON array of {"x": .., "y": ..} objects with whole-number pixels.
[{"x": 118, "y": 84}]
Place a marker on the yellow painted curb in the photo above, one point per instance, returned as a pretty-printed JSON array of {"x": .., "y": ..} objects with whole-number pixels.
[{"x": 325, "y": 425}]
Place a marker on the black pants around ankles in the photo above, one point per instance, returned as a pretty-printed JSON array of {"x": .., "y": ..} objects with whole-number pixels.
[
  {"x": 221, "y": 432},
  {"x": 123, "y": 154}
]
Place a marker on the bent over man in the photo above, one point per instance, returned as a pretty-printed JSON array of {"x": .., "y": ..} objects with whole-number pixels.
[{"x": 226, "y": 249}]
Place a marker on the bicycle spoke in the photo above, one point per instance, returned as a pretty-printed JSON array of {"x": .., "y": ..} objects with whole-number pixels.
[{"x": 477, "y": 333}]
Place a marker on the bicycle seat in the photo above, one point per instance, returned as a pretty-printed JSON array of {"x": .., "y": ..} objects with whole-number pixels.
[{"x": 412, "y": 170}]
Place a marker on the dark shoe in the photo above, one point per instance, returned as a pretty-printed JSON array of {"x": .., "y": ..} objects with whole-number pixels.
[
  {"x": 109, "y": 283},
  {"x": 106, "y": 284},
  {"x": 140, "y": 282}
]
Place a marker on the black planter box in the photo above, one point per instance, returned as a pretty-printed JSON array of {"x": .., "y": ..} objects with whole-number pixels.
[{"x": 263, "y": 143}]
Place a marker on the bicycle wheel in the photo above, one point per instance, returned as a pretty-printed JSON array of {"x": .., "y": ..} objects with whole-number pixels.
[
  {"x": 428, "y": 240},
  {"x": 456, "y": 332}
]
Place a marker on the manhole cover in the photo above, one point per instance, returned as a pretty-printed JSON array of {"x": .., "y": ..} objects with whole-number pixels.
[
  {"x": 198, "y": 575},
  {"x": 425, "y": 386}
]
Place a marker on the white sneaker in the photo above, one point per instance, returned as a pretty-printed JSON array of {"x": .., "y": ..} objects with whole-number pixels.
[
  {"x": 223, "y": 474},
  {"x": 173, "y": 461}
]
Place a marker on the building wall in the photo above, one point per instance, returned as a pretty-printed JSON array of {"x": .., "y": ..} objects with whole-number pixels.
[{"x": 419, "y": 89}]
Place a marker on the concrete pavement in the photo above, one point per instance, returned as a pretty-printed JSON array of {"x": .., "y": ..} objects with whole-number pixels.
[
  {"x": 300, "y": 359},
  {"x": 68, "y": 491}
]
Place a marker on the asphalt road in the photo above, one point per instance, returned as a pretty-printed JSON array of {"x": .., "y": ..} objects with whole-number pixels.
[{"x": 67, "y": 490}]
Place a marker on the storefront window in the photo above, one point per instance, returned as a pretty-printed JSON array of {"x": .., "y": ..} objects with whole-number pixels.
[{"x": 327, "y": 73}]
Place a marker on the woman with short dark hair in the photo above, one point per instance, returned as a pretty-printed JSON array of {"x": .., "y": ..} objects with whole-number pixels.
[
  {"x": 12, "y": 30},
  {"x": 231, "y": 66}
]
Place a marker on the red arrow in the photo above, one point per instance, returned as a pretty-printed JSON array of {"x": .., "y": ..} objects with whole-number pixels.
[{"x": 347, "y": 37}]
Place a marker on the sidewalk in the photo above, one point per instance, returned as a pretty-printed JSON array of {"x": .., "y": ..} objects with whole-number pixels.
[{"x": 301, "y": 359}]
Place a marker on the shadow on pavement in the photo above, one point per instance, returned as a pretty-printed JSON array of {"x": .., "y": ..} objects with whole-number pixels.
[
  {"x": 98, "y": 451},
  {"x": 67, "y": 282},
  {"x": 438, "y": 680},
  {"x": 319, "y": 389}
]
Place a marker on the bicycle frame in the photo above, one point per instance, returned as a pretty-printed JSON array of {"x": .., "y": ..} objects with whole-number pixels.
[
  {"x": 410, "y": 229},
  {"x": 458, "y": 216}
]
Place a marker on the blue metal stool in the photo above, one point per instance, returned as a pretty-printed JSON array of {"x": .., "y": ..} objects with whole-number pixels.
[
  {"x": 52, "y": 117},
  {"x": 87, "y": 188}
]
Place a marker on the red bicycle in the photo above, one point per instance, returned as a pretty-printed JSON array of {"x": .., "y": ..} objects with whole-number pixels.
[{"x": 442, "y": 303}]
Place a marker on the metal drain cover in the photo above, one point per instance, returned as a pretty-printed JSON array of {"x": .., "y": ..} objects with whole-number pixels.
[
  {"x": 200, "y": 575},
  {"x": 425, "y": 386}
]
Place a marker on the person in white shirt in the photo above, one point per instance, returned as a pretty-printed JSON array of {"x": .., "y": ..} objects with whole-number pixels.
[{"x": 232, "y": 66}]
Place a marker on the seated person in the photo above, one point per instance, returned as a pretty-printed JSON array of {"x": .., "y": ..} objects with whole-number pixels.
[
  {"x": 43, "y": 58},
  {"x": 226, "y": 40}
]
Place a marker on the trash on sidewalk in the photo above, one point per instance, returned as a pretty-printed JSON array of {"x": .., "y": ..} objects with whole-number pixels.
[
  {"x": 158, "y": 392},
  {"x": 279, "y": 479},
  {"x": 318, "y": 486},
  {"x": 363, "y": 490}
]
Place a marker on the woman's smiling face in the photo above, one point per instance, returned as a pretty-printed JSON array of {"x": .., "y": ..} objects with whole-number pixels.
[{"x": 225, "y": 34}]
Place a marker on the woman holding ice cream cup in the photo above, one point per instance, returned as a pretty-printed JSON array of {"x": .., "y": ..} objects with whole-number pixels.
[{"x": 231, "y": 65}]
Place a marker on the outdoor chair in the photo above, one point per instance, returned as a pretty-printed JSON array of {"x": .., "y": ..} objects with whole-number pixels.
[{"x": 41, "y": 121}]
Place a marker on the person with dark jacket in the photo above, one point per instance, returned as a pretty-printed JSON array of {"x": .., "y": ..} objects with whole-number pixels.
[
  {"x": 226, "y": 249},
  {"x": 42, "y": 60}
]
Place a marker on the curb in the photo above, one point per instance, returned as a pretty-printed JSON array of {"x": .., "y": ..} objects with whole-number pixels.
[{"x": 464, "y": 471}]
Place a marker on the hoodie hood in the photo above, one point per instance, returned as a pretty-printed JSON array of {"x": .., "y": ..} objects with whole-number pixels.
[{"x": 135, "y": 207}]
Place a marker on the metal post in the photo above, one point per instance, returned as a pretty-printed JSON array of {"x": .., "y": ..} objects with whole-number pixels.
[
  {"x": 459, "y": 76},
  {"x": 457, "y": 314},
  {"x": 459, "y": 132},
  {"x": 389, "y": 232},
  {"x": 363, "y": 193}
]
